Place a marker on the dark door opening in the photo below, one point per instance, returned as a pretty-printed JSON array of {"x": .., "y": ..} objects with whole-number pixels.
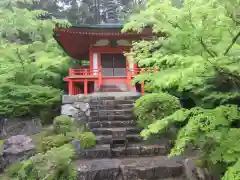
[{"x": 113, "y": 64}]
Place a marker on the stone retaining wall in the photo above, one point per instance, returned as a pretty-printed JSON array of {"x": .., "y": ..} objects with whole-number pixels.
[
  {"x": 14, "y": 127},
  {"x": 77, "y": 107}
]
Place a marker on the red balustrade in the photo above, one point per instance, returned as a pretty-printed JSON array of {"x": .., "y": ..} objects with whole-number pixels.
[
  {"x": 97, "y": 73},
  {"x": 83, "y": 72}
]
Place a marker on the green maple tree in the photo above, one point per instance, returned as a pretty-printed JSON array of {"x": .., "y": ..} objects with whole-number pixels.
[
  {"x": 32, "y": 63},
  {"x": 196, "y": 49}
]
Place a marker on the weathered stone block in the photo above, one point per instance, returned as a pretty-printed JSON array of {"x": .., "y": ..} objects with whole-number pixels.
[
  {"x": 110, "y": 124},
  {"x": 152, "y": 168},
  {"x": 194, "y": 172},
  {"x": 69, "y": 110},
  {"x": 94, "y": 153},
  {"x": 82, "y": 106},
  {"x": 70, "y": 99},
  {"x": 99, "y": 169},
  {"x": 15, "y": 149},
  {"x": 16, "y": 126}
]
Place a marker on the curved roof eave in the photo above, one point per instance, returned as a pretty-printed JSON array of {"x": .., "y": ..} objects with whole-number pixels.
[{"x": 99, "y": 26}]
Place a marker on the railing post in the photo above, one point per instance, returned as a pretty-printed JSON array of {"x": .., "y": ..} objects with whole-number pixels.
[
  {"x": 70, "y": 87},
  {"x": 99, "y": 77},
  {"x": 142, "y": 83},
  {"x": 85, "y": 87},
  {"x": 70, "y": 71},
  {"x": 128, "y": 78},
  {"x": 142, "y": 88}
]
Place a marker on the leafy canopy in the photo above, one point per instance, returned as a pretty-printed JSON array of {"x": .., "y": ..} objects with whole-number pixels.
[
  {"x": 196, "y": 49},
  {"x": 32, "y": 64}
]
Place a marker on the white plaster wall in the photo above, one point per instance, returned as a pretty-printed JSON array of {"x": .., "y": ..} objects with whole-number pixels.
[{"x": 95, "y": 63}]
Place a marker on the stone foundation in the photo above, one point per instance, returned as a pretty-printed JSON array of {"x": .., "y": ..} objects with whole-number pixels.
[
  {"x": 15, "y": 149},
  {"x": 149, "y": 168},
  {"x": 76, "y": 107},
  {"x": 99, "y": 106}
]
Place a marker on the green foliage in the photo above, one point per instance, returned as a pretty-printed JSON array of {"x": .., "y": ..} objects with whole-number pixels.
[
  {"x": 233, "y": 172},
  {"x": 47, "y": 116},
  {"x": 19, "y": 100},
  {"x": 154, "y": 106},
  {"x": 32, "y": 63},
  {"x": 87, "y": 140},
  {"x": 63, "y": 124},
  {"x": 50, "y": 142},
  {"x": 53, "y": 165},
  {"x": 196, "y": 49},
  {"x": 212, "y": 130},
  {"x": 1, "y": 145}
]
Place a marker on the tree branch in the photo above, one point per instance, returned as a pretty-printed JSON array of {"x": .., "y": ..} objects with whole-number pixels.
[
  {"x": 174, "y": 24},
  {"x": 213, "y": 54},
  {"x": 21, "y": 59},
  {"x": 200, "y": 39},
  {"x": 233, "y": 42}
]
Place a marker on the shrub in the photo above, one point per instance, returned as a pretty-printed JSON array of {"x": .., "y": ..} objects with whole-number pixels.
[
  {"x": 47, "y": 116},
  {"x": 213, "y": 131},
  {"x": 62, "y": 124},
  {"x": 155, "y": 106},
  {"x": 54, "y": 141},
  {"x": 53, "y": 165},
  {"x": 19, "y": 100},
  {"x": 87, "y": 140}
]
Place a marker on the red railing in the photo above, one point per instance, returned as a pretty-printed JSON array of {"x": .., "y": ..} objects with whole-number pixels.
[
  {"x": 132, "y": 72},
  {"x": 83, "y": 72},
  {"x": 135, "y": 71},
  {"x": 97, "y": 73}
]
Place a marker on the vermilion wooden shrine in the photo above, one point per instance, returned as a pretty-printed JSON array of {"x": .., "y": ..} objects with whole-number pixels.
[{"x": 104, "y": 47}]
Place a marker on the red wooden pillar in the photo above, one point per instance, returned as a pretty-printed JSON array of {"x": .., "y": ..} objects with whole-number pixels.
[
  {"x": 128, "y": 78},
  {"x": 70, "y": 87},
  {"x": 142, "y": 88},
  {"x": 85, "y": 87},
  {"x": 142, "y": 83},
  {"x": 99, "y": 77},
  {"x": 70, "y": 83}
]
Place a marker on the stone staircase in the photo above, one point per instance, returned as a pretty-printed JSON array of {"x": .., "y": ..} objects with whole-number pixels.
[
  {"x": 115, "y": 113},
  {"x": 139, "y": 161}
]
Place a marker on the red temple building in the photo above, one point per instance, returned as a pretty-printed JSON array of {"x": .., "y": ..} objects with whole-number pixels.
[{"x": 104, "y": 47}]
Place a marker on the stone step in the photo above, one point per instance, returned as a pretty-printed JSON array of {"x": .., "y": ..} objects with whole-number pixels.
[
  {"x": 111, "y": 107},
  {"x": 95, "y": 97},
  {"x": 110, "y": 124},
  {"x": 104, "y": 151},
  {"x": 99, "y": 103},
  {"x": 140, "y": 168},
  {"x": 105, "y": 112},
  {"x": 121, "y": 117},
  {"x": 108, "y": 131},
  {"x": 106, "y": 139},
  {"x": 117, "y": 96},
  {"x": 183, "y": 177}
]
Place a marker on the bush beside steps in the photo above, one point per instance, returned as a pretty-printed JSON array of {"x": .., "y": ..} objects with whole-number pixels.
[{"x": 56, "y": 153}]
